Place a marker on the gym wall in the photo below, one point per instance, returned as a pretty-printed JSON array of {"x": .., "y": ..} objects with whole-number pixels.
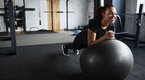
[
  {"x": 132, "y": 6},
  {"x": 32, "y": 17},
  {"x": 79, "y": 17},
  {"x": 2, "y": 25},
  {"x": 90, "y": 10}
]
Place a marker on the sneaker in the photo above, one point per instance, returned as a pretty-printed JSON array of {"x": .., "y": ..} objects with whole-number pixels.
[
  {"x": 64, "y": 50},
  {"x": 76, "y": 51}
]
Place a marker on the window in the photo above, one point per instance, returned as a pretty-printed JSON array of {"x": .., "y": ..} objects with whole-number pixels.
[
  {"x": 138, "y": 4},
  {"x": 102, "y": 2}
]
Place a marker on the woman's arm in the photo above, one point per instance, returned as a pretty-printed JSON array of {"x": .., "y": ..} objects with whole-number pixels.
[{"x": 91, "y": 37}]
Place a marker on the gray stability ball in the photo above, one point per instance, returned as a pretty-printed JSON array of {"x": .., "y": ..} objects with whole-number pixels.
[{"x": 107, "y": 60}]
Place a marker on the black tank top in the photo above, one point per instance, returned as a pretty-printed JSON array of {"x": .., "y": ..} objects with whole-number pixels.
[
  {"x": 95, "y": 26},
  {"x": 80, "y": 40}
]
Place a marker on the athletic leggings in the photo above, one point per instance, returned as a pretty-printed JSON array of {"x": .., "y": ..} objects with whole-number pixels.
[{"x": 69, "y": 46}]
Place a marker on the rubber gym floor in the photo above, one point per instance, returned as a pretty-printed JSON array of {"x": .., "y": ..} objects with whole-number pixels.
[{"x": 46, "y": 62}]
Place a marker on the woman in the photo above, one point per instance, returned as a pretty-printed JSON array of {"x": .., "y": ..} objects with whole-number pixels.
[
  {"x": 99, "y": 29},
  {"x": 102, "y": 28}
]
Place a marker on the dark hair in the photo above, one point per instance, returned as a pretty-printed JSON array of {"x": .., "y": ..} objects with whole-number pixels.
[{"x": 101, "y": 10}]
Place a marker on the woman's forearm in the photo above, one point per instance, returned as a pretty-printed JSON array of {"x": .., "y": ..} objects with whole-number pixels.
[{"x": 97, "y": 41}]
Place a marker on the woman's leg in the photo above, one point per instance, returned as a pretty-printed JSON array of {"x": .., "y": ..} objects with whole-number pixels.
[{"x": 67, "y": 46}]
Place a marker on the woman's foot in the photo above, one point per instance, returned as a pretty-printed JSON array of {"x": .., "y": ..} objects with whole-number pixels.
[{"x": 76, "y": 51}]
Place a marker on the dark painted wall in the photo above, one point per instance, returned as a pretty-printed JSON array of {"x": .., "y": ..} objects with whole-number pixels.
[
  {"x": 108, "y": 2},
  {"x": 96, "y": 5},
  {"x": 119, "y": 4}
]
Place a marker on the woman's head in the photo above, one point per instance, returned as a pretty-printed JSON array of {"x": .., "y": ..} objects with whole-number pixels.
[{"x": 107, "y": 13}]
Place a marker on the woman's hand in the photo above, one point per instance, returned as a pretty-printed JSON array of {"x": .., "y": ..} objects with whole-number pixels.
[{"x": 109, "y": 35}]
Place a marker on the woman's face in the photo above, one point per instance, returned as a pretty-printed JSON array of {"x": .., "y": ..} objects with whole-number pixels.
[{"x": 110, "y": 15}]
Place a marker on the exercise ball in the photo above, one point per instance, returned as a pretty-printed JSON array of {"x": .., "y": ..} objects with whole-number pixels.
[{"x": 107, "y": 60}]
